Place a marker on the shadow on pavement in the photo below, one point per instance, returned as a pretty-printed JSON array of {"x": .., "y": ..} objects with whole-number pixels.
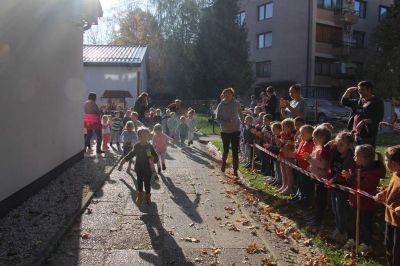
[{"x": 181, "y": 199}]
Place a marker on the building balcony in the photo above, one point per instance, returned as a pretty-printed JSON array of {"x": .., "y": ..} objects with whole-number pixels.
[
  {"x": 345, "y": 48},
  {"x": 344, "y": 70},
  {"x": 346, "y": 16}
]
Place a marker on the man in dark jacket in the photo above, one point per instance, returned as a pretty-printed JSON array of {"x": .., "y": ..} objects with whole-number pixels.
[{"x": 367, "y": 112}]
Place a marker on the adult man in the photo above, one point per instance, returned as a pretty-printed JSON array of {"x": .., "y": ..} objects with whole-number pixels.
[
  {"x": 177, "y": 107},
  {"x": 367, "y": 112},
  {"x": 296, "y": 107},
  {"x": 272, "y": 103}
]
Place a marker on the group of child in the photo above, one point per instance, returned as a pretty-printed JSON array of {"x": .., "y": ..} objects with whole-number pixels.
[
  {"x": 337, "y": 161},
  {"x": 135, "y": 137}
]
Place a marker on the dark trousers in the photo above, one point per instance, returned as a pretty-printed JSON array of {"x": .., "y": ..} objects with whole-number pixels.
[
  {"x": 366, "y": 225},
  {"x": 340, "y": 209},
  {"x": 143, "y": 178},
  {"x": 321, "y": 201},
  {"x": 392, "y": 243},
  {"x": 266, "y": 164},
  {"x": 368, "y": 140},
  {"x": 306, "y": 187},
  {"x": 99, "y": 138},
  {"x": 231, "y": 139}
]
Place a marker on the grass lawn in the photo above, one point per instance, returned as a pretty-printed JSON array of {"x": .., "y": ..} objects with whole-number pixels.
[
  {"x": 336, "y": 255},
  {"x": 206, "y": 127}
]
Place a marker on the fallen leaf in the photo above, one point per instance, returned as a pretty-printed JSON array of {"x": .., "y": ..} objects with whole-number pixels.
[
  {"x": 191, "y": 225},
  {"x": 295, "y": 235},
  {"x": 113, "y": 229},
  {"x": 266, "y": 227},
  {"x": 192, "y": 240},
  {"x": 268, "y": 262},
  {"x": 89, "y": 211},
  {"x": 85, "y": 235},
  {"x": 307, "y": 242},
  {"x": 323, "y": 260},
  {"x": 198, "y": 260},
  {"x": 217, "y": 218},
  {"x": 350, "y": 262},
  {"x": 275, "y": 216},
  {"x": 252, "y": 248}
]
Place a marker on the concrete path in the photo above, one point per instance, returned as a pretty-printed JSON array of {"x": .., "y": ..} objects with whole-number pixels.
[{"x": 193, "y": 221}]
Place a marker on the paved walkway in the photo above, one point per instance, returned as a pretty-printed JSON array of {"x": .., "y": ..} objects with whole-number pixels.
[{"x": 193, "y": 221}]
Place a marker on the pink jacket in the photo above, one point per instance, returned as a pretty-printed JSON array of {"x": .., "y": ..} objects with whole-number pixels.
[{"x": 160, "y": 142}]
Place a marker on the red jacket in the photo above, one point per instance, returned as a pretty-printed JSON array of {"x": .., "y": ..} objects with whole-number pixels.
[
  {"x": 369, "y": 181},
  {"x": 304, "y": 147}
]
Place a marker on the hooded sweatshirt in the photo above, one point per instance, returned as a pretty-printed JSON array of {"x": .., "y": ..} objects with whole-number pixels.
[{"x": 228, "y": 114}]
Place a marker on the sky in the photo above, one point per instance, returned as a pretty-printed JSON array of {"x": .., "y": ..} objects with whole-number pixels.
[{"x": 110, "y": 8}]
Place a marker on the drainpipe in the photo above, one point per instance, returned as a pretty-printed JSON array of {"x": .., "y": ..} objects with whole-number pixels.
[{"x": 308, "y": 46}]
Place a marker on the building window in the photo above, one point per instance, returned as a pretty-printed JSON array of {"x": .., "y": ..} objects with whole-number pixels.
[
  {"x": 265, "y": 11},
  {"x": 263, "y": 69},
  {"x": 322, "y": 66},
  {"x": 241, "y": 18},
  {"x": 383, "y": 12},
  {"x": 358, "y": 39},
  {"x": 360, "y": 8},
  {"x": 328, "y": 34},
  {"x": 327, "y": 4},
  {"x": 264, "y": 40}
]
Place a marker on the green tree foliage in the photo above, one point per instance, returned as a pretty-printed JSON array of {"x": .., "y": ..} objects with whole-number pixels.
[
  {"x": 383, "y": 63},
  {"x": 222, "y": 51}
]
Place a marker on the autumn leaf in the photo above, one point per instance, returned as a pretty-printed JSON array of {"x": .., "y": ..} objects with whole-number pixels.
[
  {"x": 85, "y": 235},
  {"x": 268, "y": 262},
  {"x": 275, "y": 216},
  {"x": 323, "y": 260},
  {"x": 266, "y": 227},
  {"x": 307, "y": 242},
  {"x": 192, "y": 240},
  {"x": 252, "y": 248},
  {"x": 350, "y": 262}
]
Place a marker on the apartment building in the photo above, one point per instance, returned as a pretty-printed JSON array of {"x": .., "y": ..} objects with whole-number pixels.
[{"x": 320, "y": 44}]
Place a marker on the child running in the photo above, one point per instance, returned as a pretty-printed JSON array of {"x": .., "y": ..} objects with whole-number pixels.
[
  {"x": 160, "y": 142},
  {"x": 129, "y": 138},
  {"x": 172, "y": 124},
  {"x": 391, "y": 196},
  {"x": 106, "y": 131},
  {"x": 182, "y": 130},
  {"x": 145, "y": 154},
  {"x": 371, "y": 171},
  {"x": 192, "y": 123}
]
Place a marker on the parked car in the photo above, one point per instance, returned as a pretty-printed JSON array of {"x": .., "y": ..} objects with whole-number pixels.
[{"x": 322, "y": 110}]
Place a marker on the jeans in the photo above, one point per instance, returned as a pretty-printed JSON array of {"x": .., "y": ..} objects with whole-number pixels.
[
  {"x": 392, "y": 243},
  {"x": 278, "y": 173},
  {"x": 114, "y": 136},
  {"x": 321, "y": 201},
  {"x": 99, "y": 138},
  {"x": 340, "y": 209},
  {"x": 306, "y": 186},
  {"x": 366, "y": 225}
]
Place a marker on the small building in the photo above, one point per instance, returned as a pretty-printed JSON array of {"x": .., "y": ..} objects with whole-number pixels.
[
  {"x": 41, "y": 77},
  {"x": 116, "y": 73}
]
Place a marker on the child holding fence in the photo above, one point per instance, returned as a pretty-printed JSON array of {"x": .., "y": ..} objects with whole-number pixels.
[
  {"x": 248, "y": 140},
  {"x": 306, "y": 146},
  {"x": 371, "y": 171},
  {"x": 319, "y": 161},
  {"x": 342, "y": 159},
  {"x": 274, "y": 146},
  {"x": 265, "y": 137},
  {"x": 298, "y": 123},
  {"x": 287, "y": 139},
  {"x": 391, "y": 196}
]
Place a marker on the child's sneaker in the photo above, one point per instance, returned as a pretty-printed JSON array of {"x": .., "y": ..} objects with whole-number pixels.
[
  {"x": 364, "y": 248},
  {"x": 350, "y": 244},
  {"x": 163, "y": 167}
]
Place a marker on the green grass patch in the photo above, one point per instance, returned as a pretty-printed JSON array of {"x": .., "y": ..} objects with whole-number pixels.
[
  {"x": 205, "y": 126},
  {"x": 334, "y": 252}
]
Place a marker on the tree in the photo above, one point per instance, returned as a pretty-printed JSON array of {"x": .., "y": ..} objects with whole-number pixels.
[
  {"x": 383, "y": 62},
  {"x": 222, "y": 51}
]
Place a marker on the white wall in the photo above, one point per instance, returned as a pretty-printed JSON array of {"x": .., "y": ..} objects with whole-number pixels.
[
  {"x": 41, "y": 89},
  {"x": 101, "y": 78}
]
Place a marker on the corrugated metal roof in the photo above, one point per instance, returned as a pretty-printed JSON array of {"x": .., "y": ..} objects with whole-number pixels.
[
  {"x": 113, "y": 54},
  {"x": 116, "y": 94}
]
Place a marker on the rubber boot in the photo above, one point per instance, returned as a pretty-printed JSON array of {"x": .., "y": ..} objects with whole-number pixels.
[
  {"x": 235, "y": 163},
  {"x": 223, "y": 166},
  {"x": 148, "y": 198},
  {"x": 139, "y": 197}
]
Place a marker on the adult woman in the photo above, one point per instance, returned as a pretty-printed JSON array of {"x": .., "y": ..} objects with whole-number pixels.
[
  {"x": 229, "y": 117},
  {"x": 92, "y": 122},
  {"x": 177, "y": 107},
  {"x": 141, "y": 105},
  {"x": 296, "y": 107}
]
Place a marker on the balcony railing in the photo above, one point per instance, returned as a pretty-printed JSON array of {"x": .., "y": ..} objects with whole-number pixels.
[
  {"x": 354, "y": 45},
  {"x": 346, "y": 15}
]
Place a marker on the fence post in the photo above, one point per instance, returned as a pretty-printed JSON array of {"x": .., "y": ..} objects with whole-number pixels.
[
  {"x": 358, "y": 212},
  {"x": 252, "y": 157}
]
